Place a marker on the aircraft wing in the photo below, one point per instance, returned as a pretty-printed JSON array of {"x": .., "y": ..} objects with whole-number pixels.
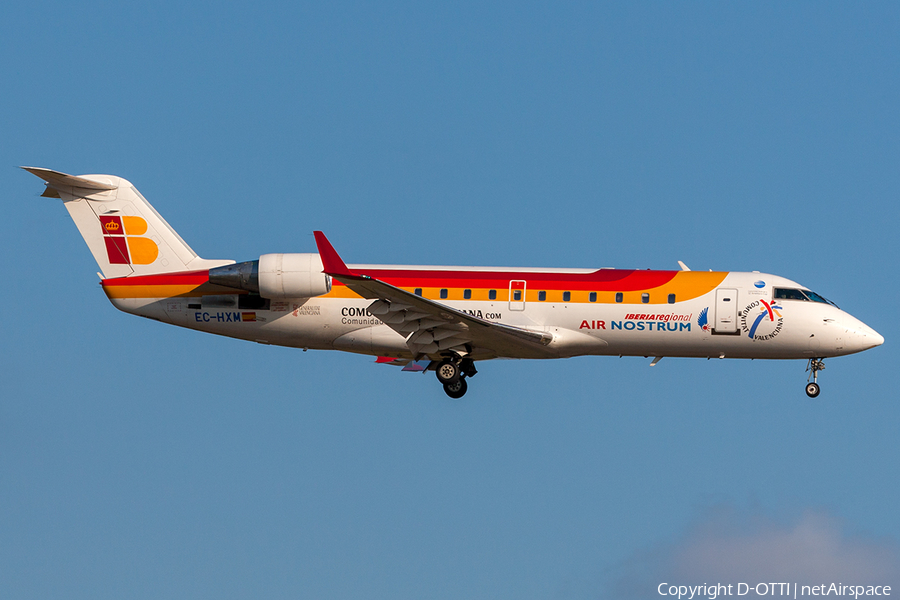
[{"x": 428, "y": 326}]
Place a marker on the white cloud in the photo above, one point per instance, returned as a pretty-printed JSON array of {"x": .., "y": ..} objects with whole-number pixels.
[{"x": 729, "y": 545}]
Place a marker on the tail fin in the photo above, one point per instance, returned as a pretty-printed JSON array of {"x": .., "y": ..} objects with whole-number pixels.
[{"x": 124, "y": 233}]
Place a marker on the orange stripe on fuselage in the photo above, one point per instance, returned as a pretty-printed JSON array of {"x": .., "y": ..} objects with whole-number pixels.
[{"x": 166, "y": 285}]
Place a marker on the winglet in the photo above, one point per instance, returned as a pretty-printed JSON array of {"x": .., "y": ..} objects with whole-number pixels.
[{"x": 330, "y": 260}]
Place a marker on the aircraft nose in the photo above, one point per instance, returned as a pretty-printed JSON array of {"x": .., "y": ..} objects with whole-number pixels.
[
  {"x": 864, "y": 337},
  {"x": 876, "y": 338}
]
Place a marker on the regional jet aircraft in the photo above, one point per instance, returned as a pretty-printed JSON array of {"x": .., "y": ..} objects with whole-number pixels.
[{"x": 445, "y": 319}]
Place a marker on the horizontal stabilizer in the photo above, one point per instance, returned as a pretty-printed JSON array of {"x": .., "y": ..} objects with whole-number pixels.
[{"x": 57, "y": 179}]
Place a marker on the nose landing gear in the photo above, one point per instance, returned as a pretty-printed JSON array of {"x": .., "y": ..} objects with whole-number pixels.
[
  {"x": 815, "y": 365},
  {"x": 452, "y": 373}
]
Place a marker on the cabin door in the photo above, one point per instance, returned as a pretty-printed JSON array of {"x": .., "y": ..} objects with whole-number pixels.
[
  {"x": 726, "y": 311},
  {"x": 516, "y": 295}
]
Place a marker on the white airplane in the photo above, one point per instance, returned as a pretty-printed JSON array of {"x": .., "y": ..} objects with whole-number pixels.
[{"x": 444, "y": 319}]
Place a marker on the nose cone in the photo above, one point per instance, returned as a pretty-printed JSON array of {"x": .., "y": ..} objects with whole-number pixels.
[
  {"x": 875, "y": 338},
  {"x": 861, "y": 336}
]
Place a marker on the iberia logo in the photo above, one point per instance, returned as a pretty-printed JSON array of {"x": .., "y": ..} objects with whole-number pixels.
[
  {"x": 766, "y": 320},
  {"x": 124, "y": 242}
]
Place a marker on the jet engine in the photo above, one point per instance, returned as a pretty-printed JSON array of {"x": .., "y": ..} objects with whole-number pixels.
[{"x": 276, "y": 276}]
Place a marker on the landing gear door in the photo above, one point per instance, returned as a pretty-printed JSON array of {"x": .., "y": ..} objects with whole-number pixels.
[
  {"x": 516, "y": 295},
  {"x": 726, "y": 311}
]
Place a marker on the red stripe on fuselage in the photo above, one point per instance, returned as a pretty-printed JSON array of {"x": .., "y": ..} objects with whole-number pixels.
[
  {"x": 182, "y": 278},
  {"x": 620, "y": 280}
]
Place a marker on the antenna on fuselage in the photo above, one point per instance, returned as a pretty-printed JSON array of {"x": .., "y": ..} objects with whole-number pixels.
[{"x": 683, "y": 266}]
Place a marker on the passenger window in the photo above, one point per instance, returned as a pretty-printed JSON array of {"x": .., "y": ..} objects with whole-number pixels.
[
  {"x": 593, "y": 297},
  {"x": 567, "y": 296},
  {"x": 645, "y": 298},
  {"x": 443, "y": 293},
  {"x": 492, "y": 295},
  {"x": 467, "y": 294},
  {"x": 671, "y": 298},
  {"x": 418, "y": 291},
  {"x": 517, "y": 295},
  {"x": 542, "y": 296},
  {"x": 618, "y": 296}
]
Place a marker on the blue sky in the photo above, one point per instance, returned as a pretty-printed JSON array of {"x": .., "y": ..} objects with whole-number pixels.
[{"x": 143, "y": 461}]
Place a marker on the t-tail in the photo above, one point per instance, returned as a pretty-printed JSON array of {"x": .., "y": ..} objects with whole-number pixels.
[{"x": 122, "y": 230}]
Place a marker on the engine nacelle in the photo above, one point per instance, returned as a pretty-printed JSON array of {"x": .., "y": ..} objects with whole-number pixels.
[
  {"x": 276, "y": 276},
  {"x": 292, "y": 276}
]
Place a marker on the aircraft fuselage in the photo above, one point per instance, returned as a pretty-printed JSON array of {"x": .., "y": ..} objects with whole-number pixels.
[{"x": 602, "y": 312}]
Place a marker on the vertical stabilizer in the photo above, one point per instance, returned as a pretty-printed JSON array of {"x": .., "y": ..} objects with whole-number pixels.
[{"x": 122, "y": 230}]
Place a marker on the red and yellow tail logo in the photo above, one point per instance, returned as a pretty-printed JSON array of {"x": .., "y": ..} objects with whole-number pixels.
[{"x": 124, "y": 244}]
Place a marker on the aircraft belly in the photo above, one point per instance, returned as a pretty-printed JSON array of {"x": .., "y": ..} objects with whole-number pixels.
[
  {"x": 379, "y": 339},
  {"x": 284, "y": 327},
  {"x": 151, "y": 308}
]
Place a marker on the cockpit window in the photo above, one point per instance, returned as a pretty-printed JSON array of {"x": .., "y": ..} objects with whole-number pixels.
[
  {"x": 804, "y": 295},
  {"x": 817, "y": 298},
  {"x": 788, "y": 294}
]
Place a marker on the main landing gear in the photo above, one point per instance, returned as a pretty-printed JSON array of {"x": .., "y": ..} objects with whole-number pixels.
[
  {"x": 815, "y": 365},
  {"x": 452, "y": 373}
]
